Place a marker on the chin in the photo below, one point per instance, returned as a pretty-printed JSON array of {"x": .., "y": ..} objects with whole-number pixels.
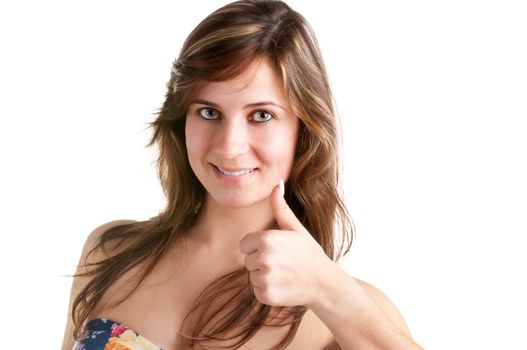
[{"x": 237, "y": 202}]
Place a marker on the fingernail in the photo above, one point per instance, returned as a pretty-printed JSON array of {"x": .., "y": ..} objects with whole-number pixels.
[{"x": 282, "y": 187}]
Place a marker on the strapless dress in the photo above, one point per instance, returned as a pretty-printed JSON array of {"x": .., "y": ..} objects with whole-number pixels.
[{"x": 105, "y": 334}]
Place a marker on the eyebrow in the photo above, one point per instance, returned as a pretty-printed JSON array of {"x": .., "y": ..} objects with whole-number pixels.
[{"x": 255, "y": 104}]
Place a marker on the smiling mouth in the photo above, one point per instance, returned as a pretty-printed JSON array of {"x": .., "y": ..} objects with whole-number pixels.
[{"x": 232, "y": 172}]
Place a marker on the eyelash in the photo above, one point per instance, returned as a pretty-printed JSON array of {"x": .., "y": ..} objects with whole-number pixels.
[{"x": 201, "y": 110}]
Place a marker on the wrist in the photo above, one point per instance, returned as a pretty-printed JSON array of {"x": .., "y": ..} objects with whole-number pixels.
[
  {"x": 333, "y": 284},
  {"x": 341, "y": 299},
  {"x": 353, "y": 317}
]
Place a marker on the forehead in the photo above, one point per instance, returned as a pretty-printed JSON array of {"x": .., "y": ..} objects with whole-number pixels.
[{"x": 259, "y": 80}]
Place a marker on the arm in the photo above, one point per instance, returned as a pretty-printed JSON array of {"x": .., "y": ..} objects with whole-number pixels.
[
  {"x": 359, "y": 315},
  {"x": 80, "y": 282},
  {"x": 288, "y": 267}
]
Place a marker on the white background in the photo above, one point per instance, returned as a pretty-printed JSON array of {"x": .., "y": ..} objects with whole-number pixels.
[{"x": 432, "y": 97}]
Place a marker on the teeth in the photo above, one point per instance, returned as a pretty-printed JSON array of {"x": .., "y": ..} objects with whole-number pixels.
[{"x": 234, "y": 173}]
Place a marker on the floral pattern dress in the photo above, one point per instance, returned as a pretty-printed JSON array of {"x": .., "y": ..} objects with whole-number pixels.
[{"x": 104, "y": 334}]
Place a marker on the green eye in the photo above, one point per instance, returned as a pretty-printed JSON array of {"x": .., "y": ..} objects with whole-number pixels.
[
  {"x": 208, "y": 113},
  {"x": 262, "y": 116}
]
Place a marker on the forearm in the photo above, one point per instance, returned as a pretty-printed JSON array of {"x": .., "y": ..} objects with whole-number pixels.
[{"x": 353, "y": 316}]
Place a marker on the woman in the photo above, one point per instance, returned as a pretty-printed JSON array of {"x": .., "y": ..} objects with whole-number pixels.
[{"x": 237, "y": 259}]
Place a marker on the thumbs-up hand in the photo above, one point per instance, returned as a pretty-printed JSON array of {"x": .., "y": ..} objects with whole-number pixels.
[{"x": 285, "y": 265}]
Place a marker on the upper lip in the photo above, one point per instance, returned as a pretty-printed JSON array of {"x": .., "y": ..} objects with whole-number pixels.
[{"x": 232, "y": 170}]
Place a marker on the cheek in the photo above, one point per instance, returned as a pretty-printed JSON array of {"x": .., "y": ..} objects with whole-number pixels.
[
  {"x": 195, "y": 139},
  {"x": 279, "y": 148}
]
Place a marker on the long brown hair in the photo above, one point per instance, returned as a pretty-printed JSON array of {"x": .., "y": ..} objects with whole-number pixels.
[{"x": 220, "y": 48}]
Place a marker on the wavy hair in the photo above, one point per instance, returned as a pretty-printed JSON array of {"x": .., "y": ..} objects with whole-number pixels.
[{"x": 221, "y": 47}]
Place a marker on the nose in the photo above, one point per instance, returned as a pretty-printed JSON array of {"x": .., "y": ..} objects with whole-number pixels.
[{"x": 231, "y": 138}]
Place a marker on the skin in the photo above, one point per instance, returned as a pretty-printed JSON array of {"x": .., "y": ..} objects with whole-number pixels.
[
  {"x": 240, "y": 135},
  {"x": 287, "y": 266},
  {"x": 224, "y": 132}
]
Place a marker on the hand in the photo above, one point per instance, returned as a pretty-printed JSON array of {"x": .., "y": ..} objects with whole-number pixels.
[{"x": 285, "y": 265}]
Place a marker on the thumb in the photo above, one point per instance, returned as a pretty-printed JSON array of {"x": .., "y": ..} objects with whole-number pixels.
[{"x": 285, "y": 218}]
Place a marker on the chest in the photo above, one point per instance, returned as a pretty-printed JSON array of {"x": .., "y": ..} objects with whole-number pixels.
[{"x": 156, "y": 309}]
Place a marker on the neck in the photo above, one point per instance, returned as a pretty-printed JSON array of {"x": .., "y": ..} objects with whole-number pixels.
[{"x": 220, "y": 229}]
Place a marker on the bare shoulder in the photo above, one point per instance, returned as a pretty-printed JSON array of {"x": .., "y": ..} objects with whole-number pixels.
[
  {"x": 94, "y": 236},
  {"x": 79, "y": 283},
  {"x": 385, "y": 304}
]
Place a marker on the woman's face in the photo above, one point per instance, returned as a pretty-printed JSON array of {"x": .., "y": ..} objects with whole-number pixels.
[{"x": 241, "y": 135}]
